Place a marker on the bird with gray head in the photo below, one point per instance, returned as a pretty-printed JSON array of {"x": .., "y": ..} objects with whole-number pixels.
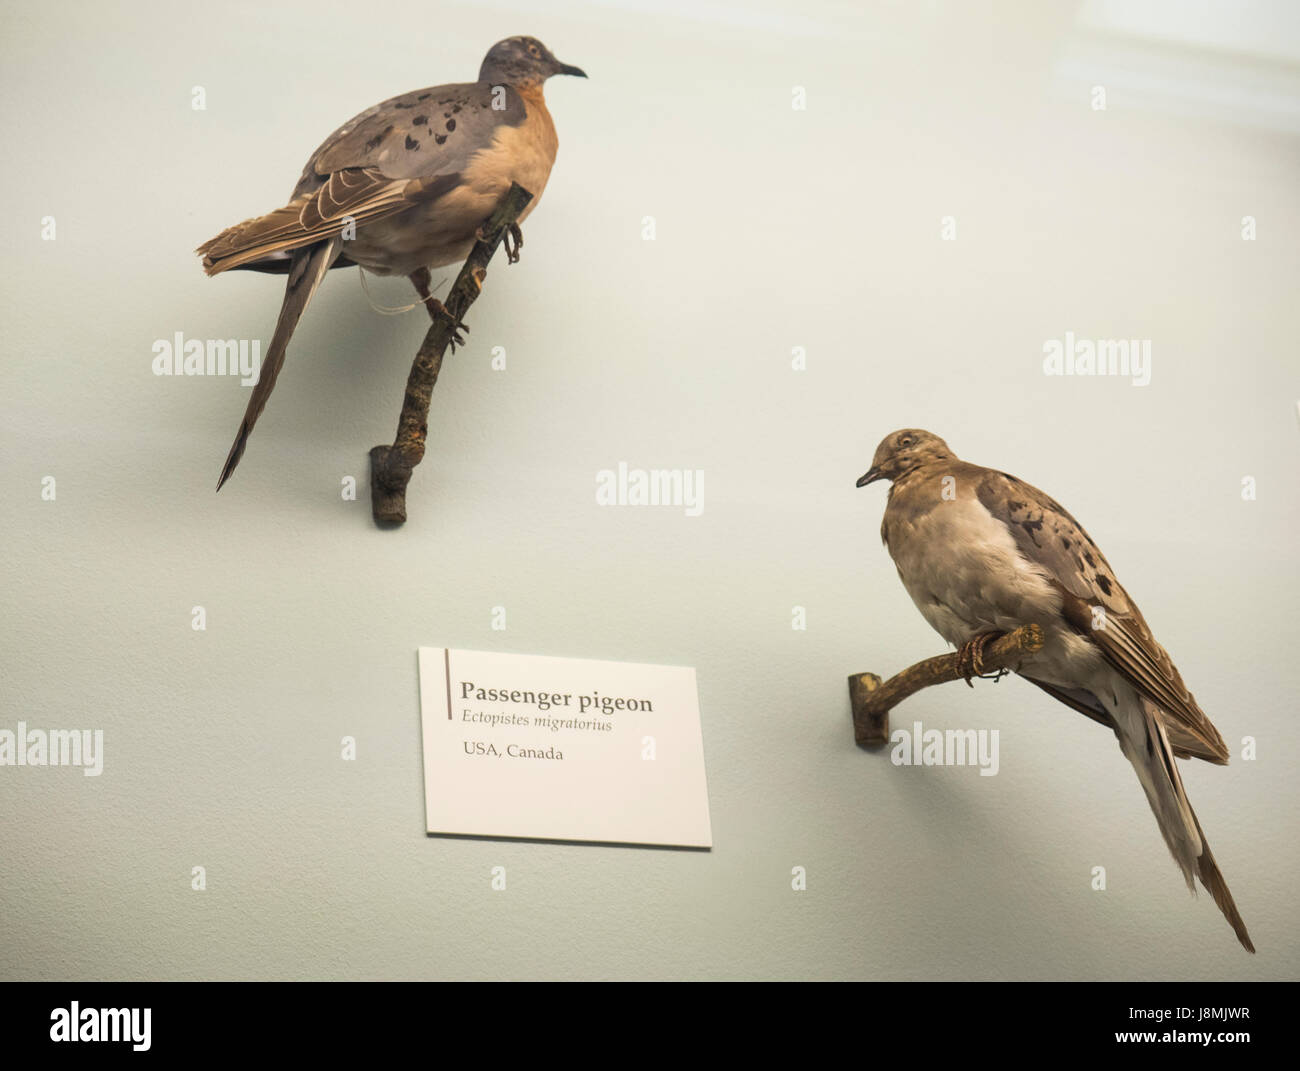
[
  {"x": 400, "y": 189},
  {"x": 982, "y": 553}
]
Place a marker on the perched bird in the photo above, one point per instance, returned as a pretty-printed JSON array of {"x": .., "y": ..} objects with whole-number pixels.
[
  {"x": 399, "y": 189},
  {"x": 982, "y": 553}
]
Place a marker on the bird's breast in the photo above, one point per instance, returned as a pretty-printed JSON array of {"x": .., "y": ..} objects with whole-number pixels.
[
  {"x": 524, "y": 154},
  {"x": 961, "y": 566}
]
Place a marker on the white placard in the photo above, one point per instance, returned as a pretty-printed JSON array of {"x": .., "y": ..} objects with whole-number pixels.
[{"x": 562, "y": 749}]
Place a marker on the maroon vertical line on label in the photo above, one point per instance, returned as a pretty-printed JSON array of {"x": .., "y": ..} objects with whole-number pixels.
[{"x": 446, "y": 665}]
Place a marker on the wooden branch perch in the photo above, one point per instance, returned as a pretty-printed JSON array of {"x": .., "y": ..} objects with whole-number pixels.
[
  {"x": 872, "y": 701},
  {"x": 391, "y": 466}
]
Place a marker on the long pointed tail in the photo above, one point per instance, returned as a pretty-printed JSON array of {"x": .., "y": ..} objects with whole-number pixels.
[
  {"x": 306, "y": 271},
  {"x": 1212, "y": 879},
  {"x": 1147, "y": 747}
]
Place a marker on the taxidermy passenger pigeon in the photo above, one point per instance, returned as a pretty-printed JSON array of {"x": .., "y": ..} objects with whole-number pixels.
[
  {"x": 982, "y": 553},
  {"x": 399, "y": 189}
]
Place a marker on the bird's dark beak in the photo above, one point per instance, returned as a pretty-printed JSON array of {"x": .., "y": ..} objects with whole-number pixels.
[
  {"x": 577, "y": 72},
  {"x": 870, "y": 476}
]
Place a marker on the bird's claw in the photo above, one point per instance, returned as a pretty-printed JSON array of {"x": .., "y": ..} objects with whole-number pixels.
[
  {"x": 512, "y": 239},
  {"x": 970, "y": 659},
  {"x": 436, "y": 309},
  {"x": 515, "y": 235}
]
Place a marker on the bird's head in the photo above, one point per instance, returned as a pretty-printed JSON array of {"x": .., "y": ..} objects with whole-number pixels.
[
  {"x": 902, "y": 451},
  {"x": 522, "y": 61}
]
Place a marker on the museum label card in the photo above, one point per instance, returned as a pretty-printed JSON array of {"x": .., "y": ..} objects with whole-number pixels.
[{"x": 562, "y": 749}]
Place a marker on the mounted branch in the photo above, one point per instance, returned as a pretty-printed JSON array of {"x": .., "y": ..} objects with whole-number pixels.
[
  {"x": 872, "y": 701},
  {"x": 391, "y": 466}
]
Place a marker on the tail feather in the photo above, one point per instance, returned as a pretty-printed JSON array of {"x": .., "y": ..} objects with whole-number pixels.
[
  {"x": 307, "y": 269},
  {"x": 1146, "y": 745},
  {"x": 1212, "y": 879}
]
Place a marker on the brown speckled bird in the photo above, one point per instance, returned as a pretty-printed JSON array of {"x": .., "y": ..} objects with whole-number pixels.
[
  {"x": 982, "y": 553},
  {"x": 399, "y": 189}
]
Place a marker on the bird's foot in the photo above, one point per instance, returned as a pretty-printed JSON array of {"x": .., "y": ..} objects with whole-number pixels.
[
  {"x": 515, "y": 235},
  {"x": 970, "y": 659},
  {"x": 436, "y": 310},
  {"x": 513, "y": 240}
]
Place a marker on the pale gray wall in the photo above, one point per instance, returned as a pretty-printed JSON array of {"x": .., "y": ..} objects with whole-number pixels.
[{"x": 776, "y": 228}]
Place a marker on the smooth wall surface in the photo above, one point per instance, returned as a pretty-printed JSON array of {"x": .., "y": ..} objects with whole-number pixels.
[{"x": 947, "y": 200}]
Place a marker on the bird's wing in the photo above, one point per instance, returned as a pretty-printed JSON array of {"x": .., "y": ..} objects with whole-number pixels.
[
  {"x": 1049, "y": 538},
  {"x": 404, "y": 151},
  {"x": 354, "y": 195},
  {"x": 1185, "y": 745},
  {"x": 431, "y": 131}
]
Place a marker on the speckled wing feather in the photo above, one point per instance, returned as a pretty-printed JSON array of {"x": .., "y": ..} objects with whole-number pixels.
[
  {"x": 399, "y": 153},
  {"x": 429, "y": 132},
  {"x": 358, "y": 195},
  {"x": 1055, "y": 542}
]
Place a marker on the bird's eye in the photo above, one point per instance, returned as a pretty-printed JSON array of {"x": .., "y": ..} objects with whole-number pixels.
[
  {"x": 906, "y": 440},
  {"x": 532, "y": 49}
]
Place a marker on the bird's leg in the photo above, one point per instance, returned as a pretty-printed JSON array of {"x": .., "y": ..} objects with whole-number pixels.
[
  {"x": 970, "y": 658},
  {"x": 420, "y": 279}
]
